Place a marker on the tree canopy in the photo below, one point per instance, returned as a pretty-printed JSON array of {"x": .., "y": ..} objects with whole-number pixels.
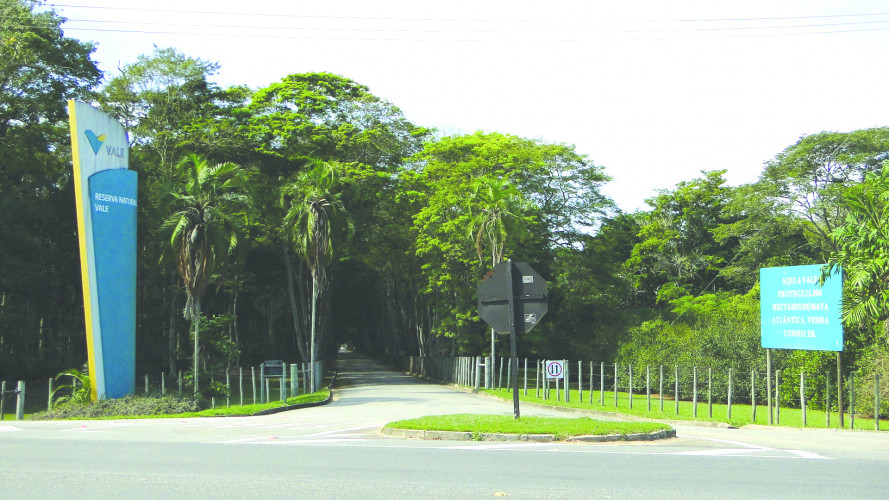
[{"x": 356, "y": 226}]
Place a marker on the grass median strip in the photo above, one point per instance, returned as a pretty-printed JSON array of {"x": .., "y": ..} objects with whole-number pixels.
[{"x": 561, "y": 428}]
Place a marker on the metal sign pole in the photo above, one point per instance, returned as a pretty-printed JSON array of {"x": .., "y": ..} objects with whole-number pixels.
[{"x": 510, "y": 295}]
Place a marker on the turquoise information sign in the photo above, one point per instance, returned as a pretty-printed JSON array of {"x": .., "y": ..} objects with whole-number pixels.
[
  {"x": 113, "y": 211},
  {"x": 797, "y": 312}
]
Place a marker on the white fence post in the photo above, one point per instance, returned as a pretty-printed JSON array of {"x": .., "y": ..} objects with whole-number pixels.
[{"x": 20, "y": 401}]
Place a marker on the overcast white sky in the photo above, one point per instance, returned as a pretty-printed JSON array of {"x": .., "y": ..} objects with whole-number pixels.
[{"x": 655, "y": 91}]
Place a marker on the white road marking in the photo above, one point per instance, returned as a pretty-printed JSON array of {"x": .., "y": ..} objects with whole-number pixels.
[
  {"x": 725, "y": 441},
  {"x": 8, "y": 428},
  {"x": 807, "y": 454},
  {"x": 498, "y": 446},
  {"x": 99, "y": 427}
]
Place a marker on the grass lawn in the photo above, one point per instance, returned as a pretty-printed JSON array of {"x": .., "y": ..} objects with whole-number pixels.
[
  {"x": 742, "y": 414},
  {"x": 507, "y": 424},
  {"x": 244, "y": 410}
]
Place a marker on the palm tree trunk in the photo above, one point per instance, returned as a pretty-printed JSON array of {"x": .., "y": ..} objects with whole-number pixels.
[
  {"x": 197, "y": 328},
  {"x": 297, "y": 326},
  {"x": 313, "y": 347}
]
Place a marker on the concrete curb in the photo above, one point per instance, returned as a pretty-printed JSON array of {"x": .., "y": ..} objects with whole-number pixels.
[
  {"x": 272, "y": 411},
  {"x": 531, "y": 438}
]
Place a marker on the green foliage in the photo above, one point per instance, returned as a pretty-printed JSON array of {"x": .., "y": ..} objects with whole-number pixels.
[
  {"x": 665, "y": 285},
  {"x": 78, "y": 389},
  {"x": 862, "y": 251},
  {"x": 549, "y": 188},
  {"x": 40, "y": 68},
  {"x": 204, "y": 231},
  {"x": 678, "y": 253},
  {"x": 872, "y": 364},
  {"x": 808, "y": 178},
  {"x": 129, "y": 406},
  {"x": 717, "y": 331}
]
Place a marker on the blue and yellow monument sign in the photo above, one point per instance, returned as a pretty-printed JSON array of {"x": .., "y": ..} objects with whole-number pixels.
[
  {"x": 798, "y": 312},
  {"x": 106, "y": 200}
]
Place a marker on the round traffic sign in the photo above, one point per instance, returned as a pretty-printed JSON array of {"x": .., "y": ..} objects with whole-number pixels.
[{"x": 554, "y": 369}]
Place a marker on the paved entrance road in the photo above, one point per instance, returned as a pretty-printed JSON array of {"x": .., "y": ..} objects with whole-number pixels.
[{"x": 336, "y": 451}]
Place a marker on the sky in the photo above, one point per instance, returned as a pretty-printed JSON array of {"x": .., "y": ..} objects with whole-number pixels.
[{"x": 654, "y": 91}]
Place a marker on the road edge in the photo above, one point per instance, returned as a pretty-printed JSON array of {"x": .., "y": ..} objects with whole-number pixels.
[{"x": 531, "y": 438}]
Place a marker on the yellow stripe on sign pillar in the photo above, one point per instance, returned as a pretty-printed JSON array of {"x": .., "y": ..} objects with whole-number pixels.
[{"x": 106, "y": 202}]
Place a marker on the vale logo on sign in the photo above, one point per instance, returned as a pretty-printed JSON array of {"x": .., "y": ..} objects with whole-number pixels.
[{"x": 95, "y": 140}]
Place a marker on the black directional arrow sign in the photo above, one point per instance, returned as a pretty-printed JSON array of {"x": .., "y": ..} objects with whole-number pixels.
[{"x": 512, "y": 299}]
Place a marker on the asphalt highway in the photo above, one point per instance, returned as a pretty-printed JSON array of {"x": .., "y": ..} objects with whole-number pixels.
[{"x": 337, "y": 451}]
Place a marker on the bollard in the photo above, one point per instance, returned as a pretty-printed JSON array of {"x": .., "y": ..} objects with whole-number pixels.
[
  {"x": 48, "y": 398},
  {"x": 661, "y": 388},
  {"x": 241, "y": 385},
  {"x": 694, "y": 392},
  {"x": 146, "y": 383},
  {"x": 802, "y": 395},
  {"x": 294, "y": 380},
  {"x": 2, "y": 400},
  {"x": 263, "y": 387},
  {"x": 488, "y": 372},
  {"x": 253, "y": 382},
  {"x": 526, "y": 377},
  {"x": 163, "y": 384},
  {"x": 729, "y": 393},
  {"x": 676, "y": 386},
  {"x": 591, "y": 382},
  {"x": 648, "y": 385},
  {"x": 630, "y": 372},
  {"x": 876, "y": 401},
  {"x": 615, "y": 384},
  {"x": 567, "y": 382},
  {"x": 852, "y": 400},
  {"x": 20, "y": 401},
  {"x": 602, "y": 384},
  {"x": 827, "y": 397},
  {"x": 228, "y": 389},
  {"x": 180, "y": 383},
  {"x": 478, "y": 372},
  {"x": 284, "y": 383},
  {"x": 580, "y": 380},
  {"x": 710, "y": 391},
  {"x": 777, "y": 397},
  {"x": 537, "y": 378},
  {"x": 753, "y": 397}
]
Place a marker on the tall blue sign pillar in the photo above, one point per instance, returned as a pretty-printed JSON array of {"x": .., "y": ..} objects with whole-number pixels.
[{"x": 106, "y": 201}]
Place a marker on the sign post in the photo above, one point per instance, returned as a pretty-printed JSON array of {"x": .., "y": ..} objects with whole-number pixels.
[{"x": 512, "y": 299}]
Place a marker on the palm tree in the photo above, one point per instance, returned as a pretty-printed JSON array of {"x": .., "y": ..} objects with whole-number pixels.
[
  {"x": 495, "y": 208},
  {"x": 203, "y": 231},
  {"x": 310, "y": 203}
]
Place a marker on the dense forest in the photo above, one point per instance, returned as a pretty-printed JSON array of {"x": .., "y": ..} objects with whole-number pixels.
[{"x": 327, "y": 218}]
